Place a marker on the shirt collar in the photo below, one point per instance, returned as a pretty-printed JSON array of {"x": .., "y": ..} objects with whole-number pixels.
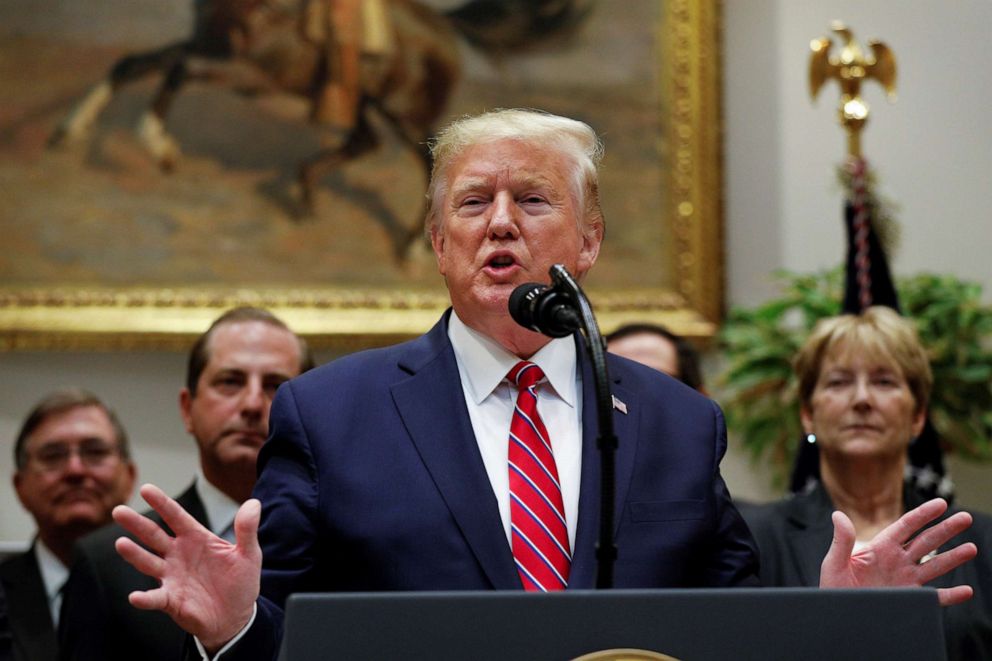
[
  {"x": 486, "y": 363},
  {"x": 53, "y": 572},
  {"x": 220, "y": 507}
]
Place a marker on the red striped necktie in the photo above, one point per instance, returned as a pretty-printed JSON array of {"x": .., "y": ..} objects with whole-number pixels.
[{"x": 537, "y": 516}]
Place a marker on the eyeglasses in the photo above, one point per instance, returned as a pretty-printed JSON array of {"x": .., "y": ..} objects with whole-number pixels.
[{"x": 55, "y": 456}]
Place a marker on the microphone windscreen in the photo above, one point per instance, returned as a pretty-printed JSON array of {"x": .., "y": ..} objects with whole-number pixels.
[{"x": 522, "y": 303}]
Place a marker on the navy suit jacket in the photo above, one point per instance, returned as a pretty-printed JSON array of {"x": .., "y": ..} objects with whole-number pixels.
[{"x": 372, "y": 480}]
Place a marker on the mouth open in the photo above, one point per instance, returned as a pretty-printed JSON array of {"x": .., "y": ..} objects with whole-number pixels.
[{"x": 501, "y": 262}]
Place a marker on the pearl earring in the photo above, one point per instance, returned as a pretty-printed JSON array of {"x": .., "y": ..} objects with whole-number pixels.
[{"x": 811, "y": 438}]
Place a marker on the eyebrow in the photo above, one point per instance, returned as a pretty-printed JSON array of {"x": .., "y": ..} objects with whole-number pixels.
[
  {"x": 228, "y": 371},
  {"x": 469, "y": 184},
  {"x": 54, "y": 442},
  {"x": 888, "y": 369},
  {"x": 518, "y": 180},
  {"x": 238, "y": 371}
]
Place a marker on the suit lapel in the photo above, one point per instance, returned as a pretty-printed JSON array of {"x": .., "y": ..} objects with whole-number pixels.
[
  {"x": 583, "y": 573},
  {"x": 810, "y": 533},
  {"x": 30, "y": 620},
  {"x": 190, "y": 501},
  {"x": 432, "y": 406}
]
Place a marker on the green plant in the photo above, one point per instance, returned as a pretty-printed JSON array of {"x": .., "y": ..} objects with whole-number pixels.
[{"x": 758, "y": 387}]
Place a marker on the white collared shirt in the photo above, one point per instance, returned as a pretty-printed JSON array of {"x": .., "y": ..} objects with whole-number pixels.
[
  {"x": 54, "y": 575},
  {"x": 482, "y": 367},
  {"x": 220, "y": 507}
]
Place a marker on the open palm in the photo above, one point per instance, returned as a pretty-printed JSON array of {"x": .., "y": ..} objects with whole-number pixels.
[
  {"x": 207, "y": 585},
  {"x": 894, "y": 557}
]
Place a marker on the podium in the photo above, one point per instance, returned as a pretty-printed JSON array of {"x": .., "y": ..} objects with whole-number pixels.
[{"x": 691, "y": 625}]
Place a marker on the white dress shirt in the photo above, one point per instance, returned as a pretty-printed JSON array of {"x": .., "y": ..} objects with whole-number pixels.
[
  {"x": 482, "y": 367},
  {"x": 54, "y": 575},
  {"x": 220, "y": 507}
]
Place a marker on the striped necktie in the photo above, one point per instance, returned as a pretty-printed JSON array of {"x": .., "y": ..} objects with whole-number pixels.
[{"x": 537, "y": 516}]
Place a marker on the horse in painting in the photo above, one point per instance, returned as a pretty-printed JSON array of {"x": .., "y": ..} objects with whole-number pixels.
[{"x": 271, "y": 46}]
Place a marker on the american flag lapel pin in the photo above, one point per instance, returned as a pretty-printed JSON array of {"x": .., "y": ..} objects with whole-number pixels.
[{"x": 618, "y": 405}]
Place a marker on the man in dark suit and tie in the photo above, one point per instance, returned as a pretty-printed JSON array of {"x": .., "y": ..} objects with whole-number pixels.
[
  {"x": 465, "y": 459},
  {"x": 73, "y": 467},
  {"x": 233, "y": 372}
]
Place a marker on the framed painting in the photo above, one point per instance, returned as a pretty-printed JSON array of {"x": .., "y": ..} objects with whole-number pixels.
[{"x": 108, "y": 245}]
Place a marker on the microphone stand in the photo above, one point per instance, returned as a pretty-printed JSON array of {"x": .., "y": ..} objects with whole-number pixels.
[{"x": 606, "y": 550}]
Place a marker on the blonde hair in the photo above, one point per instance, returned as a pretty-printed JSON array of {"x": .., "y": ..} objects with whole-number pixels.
[
  {"x": 880, "y": 334},
  {"x": 574, "y": 140}
]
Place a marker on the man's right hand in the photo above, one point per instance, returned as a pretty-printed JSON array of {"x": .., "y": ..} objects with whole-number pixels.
[{"x": 207, "y": 585}]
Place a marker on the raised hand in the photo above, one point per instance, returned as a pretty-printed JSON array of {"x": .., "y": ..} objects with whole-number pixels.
[
  {"x": 892, "y": 557},
  {"x": 207, "y": 585}
]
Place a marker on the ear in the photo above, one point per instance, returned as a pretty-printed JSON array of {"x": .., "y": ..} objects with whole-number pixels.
[
  {"x": 18, "y": 486},
  {"x": 186, "y": 408},
  {"x": 919, "y": 419},
  {"x": 130, "y": 478},
  {"x": 592, "y": 239},
  {"x": 437, "y": 243},
  {"x": 806, "y": 418}
]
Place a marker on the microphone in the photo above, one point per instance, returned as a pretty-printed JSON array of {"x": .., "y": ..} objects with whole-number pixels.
[
  {"x": 561, "y": 310},
  {"x": 544, "y": 309}
]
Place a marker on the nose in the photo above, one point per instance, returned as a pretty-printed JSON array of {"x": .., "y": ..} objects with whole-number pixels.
[
  {"x": 862, "y": 394},
  {"x": 503, "y": 220},
  {"x": 74, "y": 464},
  {"x": 253, "y": 402}
]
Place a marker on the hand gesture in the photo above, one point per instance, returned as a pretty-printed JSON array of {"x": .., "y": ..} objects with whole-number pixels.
[
  {"x": 207, "y": 585},
  {"x": 893, "y": 557}
]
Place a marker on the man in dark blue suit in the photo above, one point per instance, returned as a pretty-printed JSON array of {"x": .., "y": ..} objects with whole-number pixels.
[{"x": 388, "y": 469}]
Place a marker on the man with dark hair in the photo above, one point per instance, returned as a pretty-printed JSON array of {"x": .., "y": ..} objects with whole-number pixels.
[
  {"x": 232, "y": 374},
  {"x": 660, "y": 348},
  {"x": 73, "y": 467}
]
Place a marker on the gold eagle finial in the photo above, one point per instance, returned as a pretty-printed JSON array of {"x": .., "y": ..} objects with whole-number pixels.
[{"x": 850, "y": 67}]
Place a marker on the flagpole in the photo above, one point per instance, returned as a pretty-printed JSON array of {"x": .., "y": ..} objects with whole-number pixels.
[{"x": 868, "y": 280}]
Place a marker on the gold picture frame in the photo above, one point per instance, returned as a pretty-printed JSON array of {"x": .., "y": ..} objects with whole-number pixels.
[{"x": 97, "y": 317}]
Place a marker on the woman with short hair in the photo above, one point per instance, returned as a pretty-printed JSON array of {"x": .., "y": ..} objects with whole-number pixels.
[{"x": 864, "y": 385}]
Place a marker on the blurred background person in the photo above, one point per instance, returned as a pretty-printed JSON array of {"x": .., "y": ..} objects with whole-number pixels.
[
  {"x": 233, "y": 372},
  {"x": 658, "y": 347},
  {"x": 73, "y": 467},
  {"x": 864, "y": 384},
  {"x": 6, "y": 645}
]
